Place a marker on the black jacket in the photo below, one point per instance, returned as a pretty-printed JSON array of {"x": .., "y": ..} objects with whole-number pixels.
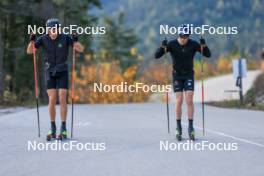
[
  {"x": 55, "y": 51},
  {"x": 182, "y": 56}
]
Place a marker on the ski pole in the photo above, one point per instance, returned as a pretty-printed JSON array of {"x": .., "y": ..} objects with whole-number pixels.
[
  {"x": 168, "y": 116},
  {"x": 72, "y": 87},
  {"x": 167, "y": 93},
  {"x": 36, "y": 85},
  {"x": 202, "y": 74}
]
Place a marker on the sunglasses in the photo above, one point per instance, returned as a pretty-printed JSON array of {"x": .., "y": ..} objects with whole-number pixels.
[{"x": 185, "y": 36}]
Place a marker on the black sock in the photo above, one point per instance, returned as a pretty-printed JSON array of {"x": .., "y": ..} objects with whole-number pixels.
[
  {"x": 190, "y": 123},
  {"x": 53, "y": 127},
  {"x": 179, "y": 124},
  {"x": 63, "y": 126}
]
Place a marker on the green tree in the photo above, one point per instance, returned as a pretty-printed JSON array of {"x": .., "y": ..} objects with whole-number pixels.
[{"x": 118, "y": 41}]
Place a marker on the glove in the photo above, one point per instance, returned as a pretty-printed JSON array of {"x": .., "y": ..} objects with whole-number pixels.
[
  {"x": 32, "y": 37},
  {"x": 202, "y": 41},
  {"x": 164, "y": 43},
  {"x": 74, "y": 37}
]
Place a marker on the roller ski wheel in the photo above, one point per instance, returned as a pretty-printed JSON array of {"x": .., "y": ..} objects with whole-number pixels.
[
  {"x": 178, "y": 134},
  {"x": 62, "y": 136},
  {"x": 51, "y": 136},
  {"x": 191, "y": 134}
]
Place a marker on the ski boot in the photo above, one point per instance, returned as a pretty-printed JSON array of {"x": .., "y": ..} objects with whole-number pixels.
[
  {"x": 51, "y": 136},
  {"x": 178, "y": 134},
  {"x": 63, "y": 135},
  {"x": 191, "y": 133}
]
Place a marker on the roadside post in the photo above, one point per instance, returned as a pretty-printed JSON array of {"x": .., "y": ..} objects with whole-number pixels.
[{"x": 240, "y": 72}]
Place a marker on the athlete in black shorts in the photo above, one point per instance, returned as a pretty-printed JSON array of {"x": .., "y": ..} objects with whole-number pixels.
[
  {"x": 182, "y": 52},
  {"x": 56, "y": 47}
]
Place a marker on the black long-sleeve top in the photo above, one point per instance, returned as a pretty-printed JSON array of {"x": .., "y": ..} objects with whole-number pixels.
[{"x": 183, "y": 56}]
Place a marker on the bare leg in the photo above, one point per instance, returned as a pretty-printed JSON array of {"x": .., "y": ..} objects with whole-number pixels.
[
  {"x": 63, "y": 104},
  {"x": 179, "y": 99},
  {"x": 190, "y": 112},
  {"x": 189, "y": 102},
  {"x": 52, "y": 94}
]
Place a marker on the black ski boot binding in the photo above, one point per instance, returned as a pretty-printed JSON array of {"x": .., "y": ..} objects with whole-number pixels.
[
  {"x": 51, "y": 136},
  {"x": 63, "y": 135},
  {"x": 191, "y": 133},
  {"x": 178, "y": 134}
]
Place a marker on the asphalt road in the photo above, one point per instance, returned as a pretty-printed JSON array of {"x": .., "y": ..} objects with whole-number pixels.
[{"x": 132, "y": 134}]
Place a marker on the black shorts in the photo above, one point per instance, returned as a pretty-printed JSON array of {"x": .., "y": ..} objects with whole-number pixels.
[
  {"x": 59, "y": 81},
  {"x": 183, "y": 84}
]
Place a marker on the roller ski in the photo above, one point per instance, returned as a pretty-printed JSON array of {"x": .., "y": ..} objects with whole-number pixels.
[
  {"x": 62, "y": 136},
  {"x": 191, "y": 134},
  {"x": 178, "y": 134},
  {"x": 51, "y": 136}
]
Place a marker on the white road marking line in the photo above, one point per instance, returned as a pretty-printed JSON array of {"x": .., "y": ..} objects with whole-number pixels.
[{"x": 229, "y": 136}]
